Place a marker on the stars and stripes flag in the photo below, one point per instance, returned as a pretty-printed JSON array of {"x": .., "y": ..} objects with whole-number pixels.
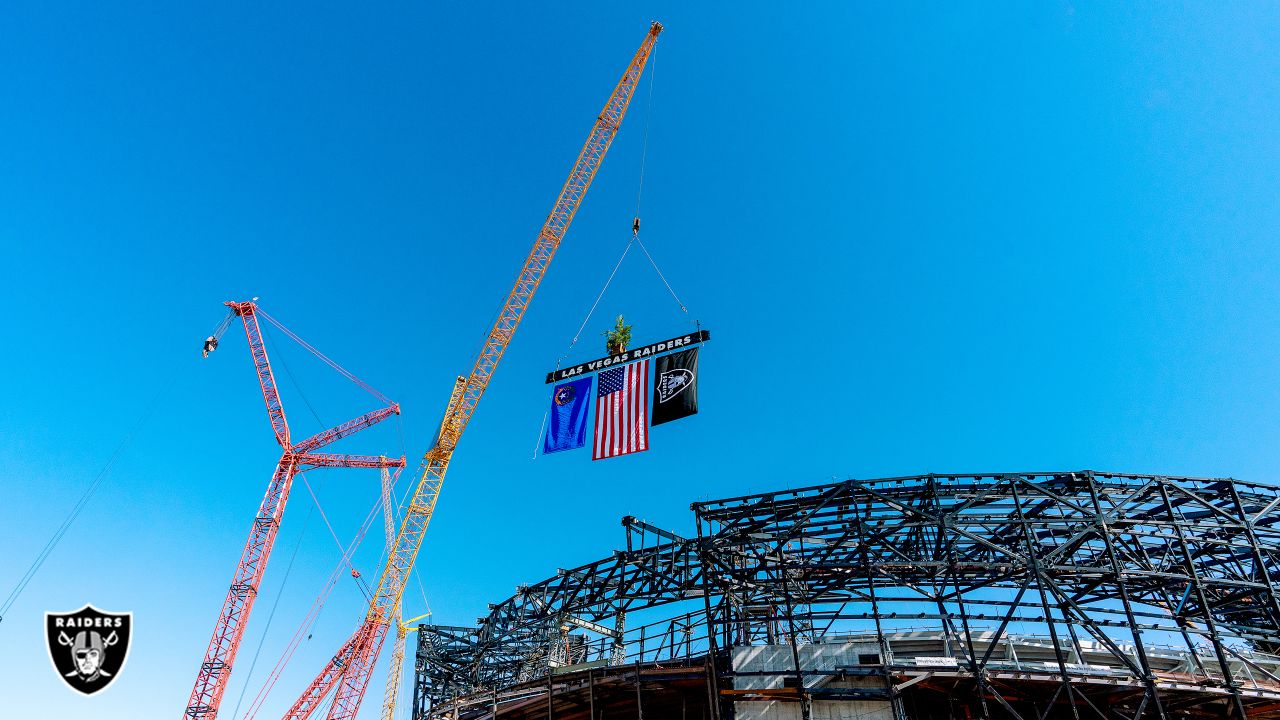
[{"x": 622, "y": 411}]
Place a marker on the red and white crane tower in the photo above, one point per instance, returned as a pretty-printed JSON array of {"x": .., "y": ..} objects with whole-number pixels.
[{"x": 215, "y": 670}]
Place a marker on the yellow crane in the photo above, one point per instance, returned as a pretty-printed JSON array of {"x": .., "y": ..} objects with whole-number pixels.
[{"x": 351, "y": 667}]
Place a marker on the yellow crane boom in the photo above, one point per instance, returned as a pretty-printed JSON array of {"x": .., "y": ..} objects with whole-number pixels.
[{"x": 351, "y": 668}]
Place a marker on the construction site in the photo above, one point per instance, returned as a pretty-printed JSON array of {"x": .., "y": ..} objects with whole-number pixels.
[
  {"x": 1075, "y": 594},
  {"x": 1081, "y": 594}
]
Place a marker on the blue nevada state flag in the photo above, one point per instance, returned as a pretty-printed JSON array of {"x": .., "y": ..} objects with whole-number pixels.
[{"x": 567, "y": 422}]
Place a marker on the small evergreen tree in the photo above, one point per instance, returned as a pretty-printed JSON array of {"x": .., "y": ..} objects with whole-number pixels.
[{"x": 617, "y": 338}]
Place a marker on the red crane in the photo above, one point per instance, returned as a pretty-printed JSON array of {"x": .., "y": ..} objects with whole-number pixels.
[
  {"x": 215, "y": 670},
  {"x": 351, "y": 667}
]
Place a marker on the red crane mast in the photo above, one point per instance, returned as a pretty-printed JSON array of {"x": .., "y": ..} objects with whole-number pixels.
[{"x": 215, "y": 669}]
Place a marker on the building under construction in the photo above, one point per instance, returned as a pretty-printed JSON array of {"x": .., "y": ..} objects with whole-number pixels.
[
  {"x": 1072, "y": 595},
  {"x": 1027, "y": 596}
]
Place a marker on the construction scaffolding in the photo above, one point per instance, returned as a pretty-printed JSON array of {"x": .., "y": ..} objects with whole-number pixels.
[{"x": 1075, "y": 594}]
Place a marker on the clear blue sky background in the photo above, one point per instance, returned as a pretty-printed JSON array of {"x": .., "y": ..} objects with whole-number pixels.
[{"x": 926, "y": 238}]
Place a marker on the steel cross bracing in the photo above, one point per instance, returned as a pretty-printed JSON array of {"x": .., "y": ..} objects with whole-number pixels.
[
  {"x": 1107, "y": 568},
  {"x": 215, "y": 669},
  {"x": 352, "y": 682}
]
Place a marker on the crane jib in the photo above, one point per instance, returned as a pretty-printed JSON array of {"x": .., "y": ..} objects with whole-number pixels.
[{"x": 352, "y": 677}]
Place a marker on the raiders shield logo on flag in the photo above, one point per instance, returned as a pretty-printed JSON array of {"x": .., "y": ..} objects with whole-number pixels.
[
  {"x": 673, "y": 382},
  {"x": 675, "y": 386},
  {"x": 88, "y": 647}
]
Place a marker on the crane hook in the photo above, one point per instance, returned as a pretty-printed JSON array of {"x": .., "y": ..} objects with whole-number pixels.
[{"x": 211, "y": 342}]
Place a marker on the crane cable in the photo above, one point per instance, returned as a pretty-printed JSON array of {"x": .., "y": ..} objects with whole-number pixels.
[
  {"x": 221, "y": 328},
  {"x": 83, "y": 502},
  {"x": 341, "y": 370},
  {"x": 318, "y": 603},
  {"x": 590, "y": 312},
  {"x": 658, "y": 270},
  {"x": 644, "y": 154},
  {"x": 269, "y": 339},
  {"x": 312, "y": 614},
  {"x": 644, "y": 149},
  {"x": 360, "y": 582},
  {"x": 284, "y": 363}
]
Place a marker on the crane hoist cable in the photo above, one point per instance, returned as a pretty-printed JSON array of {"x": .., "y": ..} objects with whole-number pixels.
[
  {"x": 211, "y": 342},
  {"x": 644, "y": 147},
  {"x": 303, "y": 630},
  {"x": 644, "y": 155}
]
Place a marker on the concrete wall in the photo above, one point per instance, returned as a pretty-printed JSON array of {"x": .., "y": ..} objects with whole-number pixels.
[
  {"x": 779, "y": 663},
  {"x": 822, "y": 710}
]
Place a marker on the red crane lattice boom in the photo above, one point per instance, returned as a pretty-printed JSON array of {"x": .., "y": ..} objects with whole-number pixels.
[{"x": 215, "y": 669}]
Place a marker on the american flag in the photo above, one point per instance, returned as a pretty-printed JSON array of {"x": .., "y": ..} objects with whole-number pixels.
[{"x": 622, "y": 411}]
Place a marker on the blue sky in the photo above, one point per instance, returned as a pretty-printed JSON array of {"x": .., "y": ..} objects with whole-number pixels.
[{"x": 988, "y": 238}]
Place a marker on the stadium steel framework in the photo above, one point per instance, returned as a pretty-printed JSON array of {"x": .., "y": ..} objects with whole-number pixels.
[{"x": 1072, "y": 595}]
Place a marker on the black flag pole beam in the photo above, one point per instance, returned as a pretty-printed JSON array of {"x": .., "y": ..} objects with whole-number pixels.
[{"x": 586, "y": 368}]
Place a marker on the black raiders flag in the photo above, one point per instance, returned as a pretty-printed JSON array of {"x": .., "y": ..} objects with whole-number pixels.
[{"x": 675, "y": 386}]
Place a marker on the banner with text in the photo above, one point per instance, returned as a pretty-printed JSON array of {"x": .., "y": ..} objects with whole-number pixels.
[{"x": 604, "y": 363}]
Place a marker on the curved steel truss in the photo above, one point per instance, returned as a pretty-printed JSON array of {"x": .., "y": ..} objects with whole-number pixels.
[{"x": 1160, "y": 585}]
